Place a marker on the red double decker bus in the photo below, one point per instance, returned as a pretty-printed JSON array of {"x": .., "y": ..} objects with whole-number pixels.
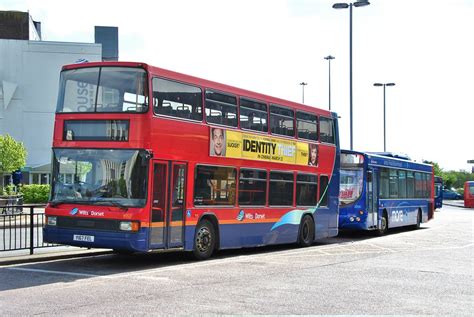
[
  {"x": 469, "y": 194},
  {"x": 145, "y": 158}
]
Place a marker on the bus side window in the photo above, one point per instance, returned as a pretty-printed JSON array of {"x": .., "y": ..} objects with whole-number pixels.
[
  {"x": 327, "y": 134},
  {"x": 214, "y": 185},
  {"x": 384, "y": 184},
  {"x": 221, "y": 108},
  {"x": 253, "y": 115},
  {"x": 323, "y": 191},
  {"x": 282, "y": 121},
  {"x": 307, "y": 125},
  {"x": 176, "y": 99}
]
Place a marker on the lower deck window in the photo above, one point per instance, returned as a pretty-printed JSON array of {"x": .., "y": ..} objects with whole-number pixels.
[
  {"x": 306, "y": 190},
  {"x": 281, "y": 189},
  {"x": 252, "y": 187},
  {"x": 214, "y": 185},
  {"x": 324, "y": 191}
]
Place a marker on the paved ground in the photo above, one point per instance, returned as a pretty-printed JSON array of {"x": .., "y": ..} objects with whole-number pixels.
[
  {"x": 454, "y": 203},
  {"x": 418, "y": 272}
]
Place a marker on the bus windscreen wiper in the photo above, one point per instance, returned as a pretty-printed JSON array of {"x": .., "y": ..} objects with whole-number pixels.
[
  {"x": 109, "y": 202},
  {"x": 55, "y": 203}
]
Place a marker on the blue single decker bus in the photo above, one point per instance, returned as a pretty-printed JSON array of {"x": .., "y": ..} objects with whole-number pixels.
[
  {"x": 438, "y": 195},
  {"x": 381, "y": 190}
]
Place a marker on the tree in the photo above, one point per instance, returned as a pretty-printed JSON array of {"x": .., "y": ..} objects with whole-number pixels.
[
  {"x": 451, "y": 179},
  {"x": 438, "y": 171},
  {"x": 12, "y": 154}
]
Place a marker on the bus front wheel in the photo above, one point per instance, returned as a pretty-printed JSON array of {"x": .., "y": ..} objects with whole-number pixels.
[
  {"x": 204, "y": 240},
  {"x": 306, "y": 232}
]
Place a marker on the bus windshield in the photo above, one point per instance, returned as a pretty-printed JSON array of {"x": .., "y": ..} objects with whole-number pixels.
[
  {"x": 103, "y": 89},
  {"x": 99, "y": 177},
  {"x": 351, "y": 185}
]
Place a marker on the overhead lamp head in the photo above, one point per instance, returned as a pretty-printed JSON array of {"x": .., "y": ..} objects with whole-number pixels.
[
  {"x": 329, "y": 57},
  {"x": 390, "y": 84},
  {"x": 340, "y": 6},
  {"x": 361, "y": 3},
  {"x": 378, "y": 85}
]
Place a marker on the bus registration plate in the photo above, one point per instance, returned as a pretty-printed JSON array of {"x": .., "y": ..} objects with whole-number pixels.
[{"x": 83, "y": 238}]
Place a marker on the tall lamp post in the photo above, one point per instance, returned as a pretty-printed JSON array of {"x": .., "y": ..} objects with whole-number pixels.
[
  {"x": 302, "y": 85},
  {"x": 329, "y": 58},
  {"x": 345, "y": 6},
  {"x": 384, "y": 131}
]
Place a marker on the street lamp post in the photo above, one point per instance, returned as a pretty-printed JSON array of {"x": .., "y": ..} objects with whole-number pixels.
[
  {"x": 302, "y": 85},
  {"x": 384, "y": 130},
  {"x": 328, "y": 58},
  {"x": 345, "y": 6}
]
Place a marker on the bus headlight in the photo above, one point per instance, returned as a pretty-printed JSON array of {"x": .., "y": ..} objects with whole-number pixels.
[
  {"x": 52, "y": 220},
  {"x": 129, "y": 226}
]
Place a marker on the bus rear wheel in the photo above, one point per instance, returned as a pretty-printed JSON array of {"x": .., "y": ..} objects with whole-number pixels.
[
  {"x": 384, "y": 225},
  {"x": 306, "y": 231},
  {"x": 123, "y": 252},
  {"x": 418, "y": 220},
  {"x": 204, "y": 240}
]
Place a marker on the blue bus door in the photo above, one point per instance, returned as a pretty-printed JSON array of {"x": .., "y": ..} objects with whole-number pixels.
[
  {"x": 167, "y": 212},
  {"x": 372, "y": 204}
]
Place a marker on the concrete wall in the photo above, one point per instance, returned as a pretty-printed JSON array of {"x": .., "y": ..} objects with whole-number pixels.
[{"x": 29, "y": 77}]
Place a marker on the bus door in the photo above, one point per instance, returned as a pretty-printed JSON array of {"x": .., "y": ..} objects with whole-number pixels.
[
  {"x": 372, "y": 203},
  {"x": 167, "y": 211}
]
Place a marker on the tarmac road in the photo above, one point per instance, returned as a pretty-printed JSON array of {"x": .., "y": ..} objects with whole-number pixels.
[{"x": 426, "y": 271}]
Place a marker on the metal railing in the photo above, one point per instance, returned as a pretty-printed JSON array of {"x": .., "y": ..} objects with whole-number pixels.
[{"x": 21, "y": 227}]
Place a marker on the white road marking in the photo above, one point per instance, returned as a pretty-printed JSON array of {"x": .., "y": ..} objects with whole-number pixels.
[{"x": 24, "y": 269}]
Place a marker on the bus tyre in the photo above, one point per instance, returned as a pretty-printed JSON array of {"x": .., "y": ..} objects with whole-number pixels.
[
  {"x": 384, "y": 225},
  {"x": 418, "y": 220},
  {"x": 204, "y": 240},
  {"x": 306, "y": 231},
  {"x": 123, "y": 252}
]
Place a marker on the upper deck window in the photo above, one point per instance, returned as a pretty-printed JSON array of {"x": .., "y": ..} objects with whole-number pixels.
[
  {"x": 221, "y": 108},
  {"x": 253, "y": 115},
  {"x": 175, "y": 99},
  {"x": 103, "y": 89},
  {"x": 307, "y": 126},
  {"x": 282, "y": 121},
  {"x": 327, "y": 133}
]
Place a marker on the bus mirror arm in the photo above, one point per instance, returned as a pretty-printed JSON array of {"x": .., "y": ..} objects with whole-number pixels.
[{"x": 146, "y": 157}]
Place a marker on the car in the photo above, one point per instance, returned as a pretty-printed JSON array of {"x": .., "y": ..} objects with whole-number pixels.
[{"x": 450, "y": 194}]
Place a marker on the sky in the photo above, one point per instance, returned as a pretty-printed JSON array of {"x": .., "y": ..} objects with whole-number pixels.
[{"x": 425, "y": 47}]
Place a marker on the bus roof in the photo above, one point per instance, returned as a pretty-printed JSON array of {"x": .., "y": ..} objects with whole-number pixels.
[
  {"x": 157, "y": 71},
  {"x": 388, "y": 161},
  {"x": 391, "y": 154}
]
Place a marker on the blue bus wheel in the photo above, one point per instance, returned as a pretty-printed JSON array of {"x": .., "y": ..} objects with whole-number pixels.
[
  {"x": 306, "y": 231},
  {"x": 418, "y": 220},
  {"x": 384, "y": 225},
  {"x": 123, "y": 252}
]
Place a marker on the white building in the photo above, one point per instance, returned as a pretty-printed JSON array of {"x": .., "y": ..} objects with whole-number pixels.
[{"x": 29, "y": 77}]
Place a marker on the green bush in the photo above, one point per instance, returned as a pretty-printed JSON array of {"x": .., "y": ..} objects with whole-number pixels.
[
  {"x": 8, "y": 190},
  {"x": 35, "y": 194}
]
